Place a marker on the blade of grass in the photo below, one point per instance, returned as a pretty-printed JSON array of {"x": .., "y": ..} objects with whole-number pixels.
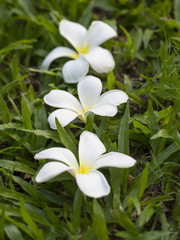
[
  {"x": 76, "y": 217},
  {"x": 66, "y": 139},
  {"x": 99, "y": 222}
]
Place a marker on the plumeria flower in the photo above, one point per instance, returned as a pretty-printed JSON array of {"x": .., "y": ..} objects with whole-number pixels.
[
  {"x": 86, "y": 43},
  {"x": 89, "y": 90},
  {"x": 89, "y": 180}
]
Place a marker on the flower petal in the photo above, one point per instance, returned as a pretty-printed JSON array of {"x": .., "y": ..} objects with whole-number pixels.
[
  {"x": 74, "y": 70},
  {"x": 114, "y": 159},
  {"x": 100, "y": 59},
  {"x": 57, "y": 53},
  {"x": 64, "y": 116},
  {"x": 90, "y": 148},
  {"x": 99, "y": 32},
  {"x": 89, "y": 90},
  {"x": 93, "y": 184},
  {"x": 73, "y": 32},
  {"x": 104, "y": 110},
  {"x": 51, "y": 170},
  {"x": 62, "y": 99},
  {"x": 60, "y": 154},
  {"x": 115, "y": 97}
]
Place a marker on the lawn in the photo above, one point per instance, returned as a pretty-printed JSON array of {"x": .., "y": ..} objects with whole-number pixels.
[{"x": 141, "y": 200}]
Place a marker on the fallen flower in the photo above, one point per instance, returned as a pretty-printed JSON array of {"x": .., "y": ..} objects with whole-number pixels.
[
  {"x": 89, "y": 90},
  {"x": 86, "y": 42},
  {"x": 89, "y": 180}
]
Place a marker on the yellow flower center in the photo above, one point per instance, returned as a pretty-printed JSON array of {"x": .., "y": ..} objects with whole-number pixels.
[
  {"x": 83, "y": 116},
  {"x": 84, "y": 169},
  {"x": 83, "y": 50}
]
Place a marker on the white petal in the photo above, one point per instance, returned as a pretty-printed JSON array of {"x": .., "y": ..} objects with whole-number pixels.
[
  {"x": 90, "y": 148},
  {"x": 104, "y": 110},
  {"x": 73, "y": 32},
  {"x": 99, "y": 32},
  {"x": 62, "y": 99},
  {"x": 57, "y": 53},
  {"x": 93, "y": 184},
  {"x": 51, "y": 170},
  {"x": 60, "y": 154},
  {"x": 114, "y": 159},
  {"x": 64, "y": 116},
  {"x": 74, "y": 70},
  {"x": 115, "y": 97},
  {"x": 89, "y": 89},
  {"x": 100, "y": 59}
]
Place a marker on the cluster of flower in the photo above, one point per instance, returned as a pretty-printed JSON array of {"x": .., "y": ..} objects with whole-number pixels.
[{"x": 91, "y": 150}]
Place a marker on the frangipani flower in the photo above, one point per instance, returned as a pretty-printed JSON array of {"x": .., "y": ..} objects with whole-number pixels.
[
  {"x": 89, "y": 180},
  {"x": 86, "y": 43},
  {"x": 89, "y": 90}
]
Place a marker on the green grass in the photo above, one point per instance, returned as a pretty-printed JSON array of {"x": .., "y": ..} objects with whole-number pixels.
[{"x": 144, "y": 200}]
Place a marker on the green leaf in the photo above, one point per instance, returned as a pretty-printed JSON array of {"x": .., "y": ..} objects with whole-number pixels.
[
  {"x": 124, "y": 234},
  {"x": 26, "y": 115},
  {"x": 28, "y": 7},
  {"x": 130, "y": 42},
  {"x": 102, "y": 127},
  {"x": 123, "y": 147},
  {"x": 15, "y": 68},
  {"x": 40, "y": 121},
  {"x": 30, "y": 189},
  {"x": 11, "y": 194},
  {"x": 164, "y": 221},
  {"x": 162, "y": 198},
  {"x": 49, "y": 134},
  {"x": 153, "y": 123},
  {"x": 134, "y": 201},
  {"x": 177, "y": 10},
  {"x": 52, "y": 216},
  {"x": 15, "y": 108},
  {"x": 110, "y": 81},
  {"x": 142, "y": 127},
  {"x": 54, "y": 198},
  {"x": 176, "y": 136},
  {"x": 143, "y": 181},
  {"x": 12, "y": 85},
  {"x": 99, "y": 222},
  {"x": 154, "y": 235},
  {"x": 2, "y": 221},
  {"x": 153, "y": 126},
  {"x": 4, "y": 111},
  {"x": 137, "y": 40},
  {"x": 123, "y": 135},
  {"x": 89, "y": 122},
  {"x": 66, "y": 139},
  {"x": 161, "y": 157},
  {"x": 73, "y": 9},
  {"x": 147, "y": 36},
  {"x": 124, "y": 221},
  {"x": 21, "y": 44},
  {"x": 164, "y": 155},
  {"x": 127, "y": 83},
  {"x": 16, "y": 166},
  {"x": 32, "y": 225},
  {"x": 163, "y": 133},
  {"x": 146, "y": 215},
  {"x": 20, "y": 226},
  {"x": 13, "y": 232},
  {"x": 77, "y": 209}
]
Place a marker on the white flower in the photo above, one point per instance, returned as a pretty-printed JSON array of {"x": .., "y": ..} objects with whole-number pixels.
[
  {"x": 90, "y": 181},
  {"x": 89, "y": 90},
  {"x": 86, "y": 42}
]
